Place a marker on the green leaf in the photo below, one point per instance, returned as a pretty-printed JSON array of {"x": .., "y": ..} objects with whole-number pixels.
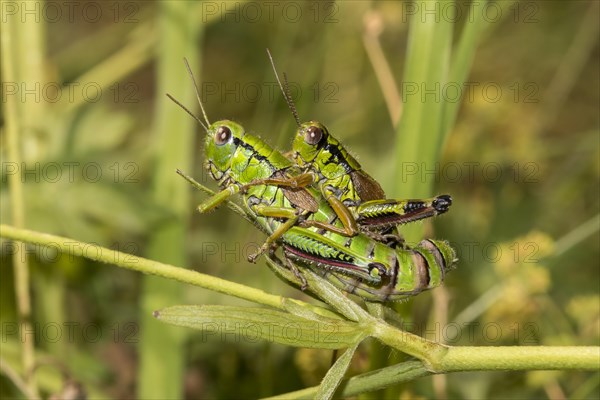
[
  {"x": 334, "y": 297},
  {"x": 368, "y": 382},
  {"x": 254, "y": 323},
  {"x": 334, "y": 376},
  {"x": 462, "y": 58},
  {"x": 419, "y": 133}
]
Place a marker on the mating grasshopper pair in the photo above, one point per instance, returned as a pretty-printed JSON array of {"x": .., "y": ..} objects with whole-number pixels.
[{"x": 311, "y": 231}]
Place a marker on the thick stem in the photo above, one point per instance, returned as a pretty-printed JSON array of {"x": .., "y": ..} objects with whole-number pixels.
[
  {"x": 409, "y": 343},
  {"x": 439, "y": 358},
  {"x": 518, "y": 358},
  {"x": 470, "y": 358}
]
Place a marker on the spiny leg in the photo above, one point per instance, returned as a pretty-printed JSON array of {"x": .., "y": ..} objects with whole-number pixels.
[{"x": 390, "y": 212}]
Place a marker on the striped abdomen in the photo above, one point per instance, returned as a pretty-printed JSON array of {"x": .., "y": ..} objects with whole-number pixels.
[{"x": 418, "y": 269}]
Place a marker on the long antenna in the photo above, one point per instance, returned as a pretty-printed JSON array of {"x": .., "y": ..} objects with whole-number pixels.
[
  {"x": 187, "y": 65},
  {"x": 285, "y": 91},
  {"x": 188, "y": 111}
]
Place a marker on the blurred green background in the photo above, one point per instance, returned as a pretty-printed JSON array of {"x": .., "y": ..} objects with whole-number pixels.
[{"x": 99, "y": 142}]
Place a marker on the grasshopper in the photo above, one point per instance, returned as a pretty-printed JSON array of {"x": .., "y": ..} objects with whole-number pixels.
[
  {"x": 357, "y": 199},
  {"x": 300, "y": 220}
]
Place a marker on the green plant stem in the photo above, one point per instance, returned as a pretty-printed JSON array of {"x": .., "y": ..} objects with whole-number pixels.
[
  {"x": 174, "y": 142},
  {"x": 29, "y": 54},
  {"x": 14, "y": 377},
  {"x": 577, "y": 235},
  {"x": 409, "y": 343},
  {"x": 471, "y": 358},
  {"x": 49, "y": 379},
  {"x": 10, "y": 55},
  {"x": 439, "y": 358},
  {"x": 518, "y": 358},
  {"x": 419, "y": 134},
  {"x": 128, "y": 261},
  {"x": 462, "y": 58}
]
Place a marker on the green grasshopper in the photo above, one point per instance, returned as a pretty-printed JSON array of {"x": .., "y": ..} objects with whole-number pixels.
[
  {"x": 370, "y": 267},
  {"x": 357, "y": 199},
  {"x": 355, "y": 196},
  {"x": 242, "y": 163}
]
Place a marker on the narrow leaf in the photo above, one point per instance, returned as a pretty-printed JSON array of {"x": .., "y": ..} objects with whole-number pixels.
[
  {"x": 253, "y": 324},
  {"x": 463, "y": 58},
  {"x": 334, "y": 376},
  {"x": 335, "y": 297}
]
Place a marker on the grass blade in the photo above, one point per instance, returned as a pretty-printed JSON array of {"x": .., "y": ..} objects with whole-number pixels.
[
  {"x": 335, "y": 375},
  {"x": 174, "y": 142}
]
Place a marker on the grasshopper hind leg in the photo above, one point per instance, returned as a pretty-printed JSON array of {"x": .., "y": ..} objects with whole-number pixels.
[
  {"x": 375, "y": 214},
  {"x": 442, "y": 203}
]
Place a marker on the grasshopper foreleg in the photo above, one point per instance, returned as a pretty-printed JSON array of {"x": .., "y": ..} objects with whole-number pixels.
[
  {"x": 280, "y": 231},
  {"x": 215, "y": 200},
  {"x": 298, "y": 181}
]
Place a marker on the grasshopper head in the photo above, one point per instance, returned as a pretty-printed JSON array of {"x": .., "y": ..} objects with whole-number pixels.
[
  {"x": 310, "y": 138},
  {"x": 222, "y": 140}
]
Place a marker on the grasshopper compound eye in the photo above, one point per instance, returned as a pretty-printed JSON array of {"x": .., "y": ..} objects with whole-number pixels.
[
  {"x": 313, "y": 135},
  {"x": 222, "y": 135}
]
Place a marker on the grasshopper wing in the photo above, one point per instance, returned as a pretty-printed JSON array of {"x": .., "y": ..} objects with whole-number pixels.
[
  {"x": 301, "y": 198},
  {"x": 366, "y": 187}
]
